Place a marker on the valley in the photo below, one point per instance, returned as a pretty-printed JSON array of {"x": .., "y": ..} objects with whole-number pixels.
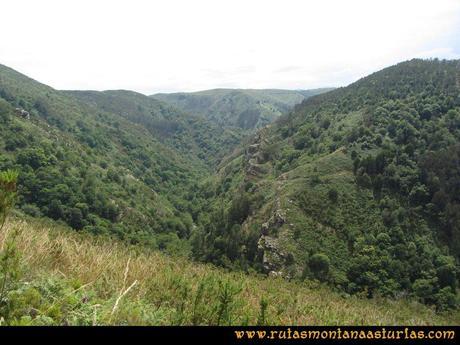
[{"x": 346, "y": 200}]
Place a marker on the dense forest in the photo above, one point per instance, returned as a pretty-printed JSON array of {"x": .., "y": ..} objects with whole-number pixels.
[
  {"x": 130, "y": 175},
  {"x": 357, "y": 188}
]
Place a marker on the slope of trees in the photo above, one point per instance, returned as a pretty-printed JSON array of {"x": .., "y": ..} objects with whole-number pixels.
[
  {"x": 93, "y": 169},
  {"x": 358, "y": 187},
  {"x": 372, "y": 183}
]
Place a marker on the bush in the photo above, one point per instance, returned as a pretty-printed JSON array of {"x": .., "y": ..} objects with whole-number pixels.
[
  {"x": 445, "y": 299},
  {"x": 31, "y": 210},
  {"x": 319, "y": 266},
  {"x": 8, "y": 180},
  {"x": 9, "y": 256},
  {"x": 333, "y": 195}
]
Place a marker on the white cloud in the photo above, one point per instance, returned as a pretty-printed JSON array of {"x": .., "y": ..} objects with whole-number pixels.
[{"x": 173, "y": 45}]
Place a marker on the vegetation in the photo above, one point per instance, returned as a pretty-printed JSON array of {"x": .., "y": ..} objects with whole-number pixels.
[
  {"x": 192, "y": 136},
  {"x": 8, "y": 182},
  {"x": 242, "y": 109},
  {"x": 357, "y": 187},
  {"x": 355, "y": 193},
  {"x": 9, "y": 258},
  {"x": 101, "y": 172},
  {"x": 68, "y": 278}
]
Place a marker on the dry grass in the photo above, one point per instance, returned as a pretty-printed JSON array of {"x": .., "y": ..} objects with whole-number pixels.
[{"x": 132, "y": 285}]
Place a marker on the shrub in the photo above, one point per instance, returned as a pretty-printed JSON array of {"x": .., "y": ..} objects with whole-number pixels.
[
  {"x": 9, "y": 256},
  {"x": 8, "y": 180},
  {"x": 333, "y": 195},
  {"x": 319, "y": 265}
]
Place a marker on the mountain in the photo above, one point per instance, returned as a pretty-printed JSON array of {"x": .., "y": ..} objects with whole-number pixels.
[
  {"x": 127, "y": 173},
  {"x": 242, "y": 108},
  {"x": 116, "y": 163},
  {"x": 357, "y": 187},
  {"x": 194, "y": 137}
]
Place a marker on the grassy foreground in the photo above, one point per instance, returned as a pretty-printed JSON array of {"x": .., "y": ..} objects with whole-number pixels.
[{"x": 60, "y": 277}]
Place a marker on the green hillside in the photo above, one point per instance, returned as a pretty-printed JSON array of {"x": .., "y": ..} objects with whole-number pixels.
[
  {"x": 242, "y": 108},
  {"x": 346, "y": 208},
  {"x": 357, "y": 187},
  {"x": 98, "y": 171},
  {"x": 194, "y": 137}
]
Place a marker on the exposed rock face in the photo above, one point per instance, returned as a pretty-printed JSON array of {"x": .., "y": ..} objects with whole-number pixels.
[
  {"x": 24, "y": 114},
  {"x": 273, "y": 258},
  {"x": 265, "y": 228},
  {"x": 252, "y": 149},
  {"x": 275, "y": 274},
  {"x": 279, "y": 218},
  {"x": 275, "y": 261},
  {"x": 254, "y": 169},
  {"x": 253, "y": 156}
]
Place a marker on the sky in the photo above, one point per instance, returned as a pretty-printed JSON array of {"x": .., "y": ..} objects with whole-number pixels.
[{"x": 154, "y": 46}]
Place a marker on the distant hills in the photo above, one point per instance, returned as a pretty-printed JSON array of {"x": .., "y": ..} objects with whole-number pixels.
[
  {"x": 243, "y": 108},
  {"x": 193, "y": 136}
]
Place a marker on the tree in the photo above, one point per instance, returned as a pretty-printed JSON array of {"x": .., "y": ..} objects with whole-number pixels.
[
  {"x": 8, "y": 181},
  {"x": 446, "y": 272},
  {"x": 333, "y": 195},
  {"x": 239, "y": 210},
  {"x": 445, "y": 299},
  {"x": 319, "y": 265},
  {"x": 5, "y": 110},
  {"x": 76, "y": 220},
  {"x": 35, "y": 158},
  {"x": 9, "y": 257}
]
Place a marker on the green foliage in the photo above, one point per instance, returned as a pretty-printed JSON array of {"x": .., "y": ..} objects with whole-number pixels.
[
  {"x": 367, "y": 175},
  {"x": 227, "y": 294},
  {"x": 358, "y": 186},
  {"x": 195, "y": 138},
  {"x": 261, "y": 319},
  {"x": 98, "y": 170},
  {"x": 8, "y": 181},
  {"x": 243, "y": 109},
  {"x": 10, "y": 272},
  {"x": 9, "y": 256},
  {"x": 220, "y": 238},
  {"x": 319, "y": 265},
  {"x": 333, "y": 195}
]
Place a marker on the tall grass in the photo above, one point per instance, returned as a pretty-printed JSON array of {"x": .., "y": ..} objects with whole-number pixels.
[{"x": 69, "y": 278}]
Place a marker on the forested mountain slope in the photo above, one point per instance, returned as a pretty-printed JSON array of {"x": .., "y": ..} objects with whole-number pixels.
[
  {"x": 358, "y": 187},
  {"x": 241, "y": 108},
  {"x": 98, "y": 171},
  {"x": 192, "y": 136},
  {"x": 114, "y": 162}
]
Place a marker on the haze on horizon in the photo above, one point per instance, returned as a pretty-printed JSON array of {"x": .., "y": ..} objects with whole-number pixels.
[{"x": 179, "y": 45}]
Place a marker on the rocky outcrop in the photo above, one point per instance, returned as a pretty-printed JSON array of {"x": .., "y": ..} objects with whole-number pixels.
[
  {"x": 254, "y": 169},
  {"x": 254, "y": 158},
  {"x": 252, "y": 149},
  {"x": 273, "y": 259},
  {"x": 22, "y": 113}
]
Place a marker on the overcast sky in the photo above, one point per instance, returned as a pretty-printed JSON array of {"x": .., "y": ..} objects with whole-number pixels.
[{"x": 164, "y": 46}]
